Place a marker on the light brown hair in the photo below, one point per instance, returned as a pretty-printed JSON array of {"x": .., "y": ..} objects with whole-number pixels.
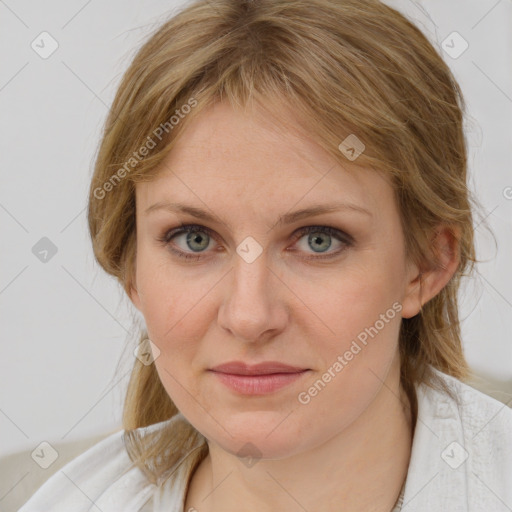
[{"x": 343, "y": 67}]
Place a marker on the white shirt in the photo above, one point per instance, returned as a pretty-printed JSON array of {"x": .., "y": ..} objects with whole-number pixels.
[{"x": 461, "y": 461}]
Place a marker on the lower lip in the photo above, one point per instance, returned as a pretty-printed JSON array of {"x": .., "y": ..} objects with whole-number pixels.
[{"x": 258, "y": 384}]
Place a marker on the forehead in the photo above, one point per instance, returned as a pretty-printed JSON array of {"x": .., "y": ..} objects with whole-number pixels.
[{"x": 226, "y": 156}]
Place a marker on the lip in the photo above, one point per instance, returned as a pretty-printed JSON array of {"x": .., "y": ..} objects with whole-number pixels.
[
  {"x": 258, "y": 379},
  {"x": 266, "y": 368}
]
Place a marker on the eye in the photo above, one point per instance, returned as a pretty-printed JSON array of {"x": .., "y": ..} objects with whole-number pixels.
[
  {"x": 197, "y": 239},
  {"x": 320, "y": 240}
]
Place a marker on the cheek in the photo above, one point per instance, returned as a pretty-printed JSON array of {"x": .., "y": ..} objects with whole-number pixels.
[
  {"x": 178, "y": 311},
  {"x": 176, "y": 322},
  {"x": 355, "y": 299},
  {"x": 361, "y": 316},
  {"x": 364, "y": 313},
  {"x": 171, "y": 302}
]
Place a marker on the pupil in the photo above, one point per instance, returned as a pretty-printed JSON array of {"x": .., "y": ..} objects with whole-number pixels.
[
  {"x": 317, "y": 241},
  {"x": 197, "y": 238}
]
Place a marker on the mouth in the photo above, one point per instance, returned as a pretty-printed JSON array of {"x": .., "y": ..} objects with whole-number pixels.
[{"x": 257, "y": 379}]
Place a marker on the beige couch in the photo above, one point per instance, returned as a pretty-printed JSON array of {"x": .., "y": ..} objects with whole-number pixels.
[{"x": 20, "y": 476}]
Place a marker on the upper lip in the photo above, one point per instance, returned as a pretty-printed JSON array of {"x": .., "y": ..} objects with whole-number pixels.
[{"x": 266, "y": 368}]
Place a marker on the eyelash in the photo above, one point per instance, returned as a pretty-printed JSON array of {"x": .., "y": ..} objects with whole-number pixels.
[{"x": 167, "y": 236}]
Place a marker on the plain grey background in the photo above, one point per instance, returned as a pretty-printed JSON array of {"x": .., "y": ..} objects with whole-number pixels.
[{"x": 64, "y": 322}]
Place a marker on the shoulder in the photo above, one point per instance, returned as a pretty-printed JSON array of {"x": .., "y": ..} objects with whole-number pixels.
[
  {"x": 102, "y": 478},
  {"x": 484, "y": 419},
  {"x": 461, "y": 456}
]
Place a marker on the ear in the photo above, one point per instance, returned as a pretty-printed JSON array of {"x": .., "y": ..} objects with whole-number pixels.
[{"x": 425, "y": 283}]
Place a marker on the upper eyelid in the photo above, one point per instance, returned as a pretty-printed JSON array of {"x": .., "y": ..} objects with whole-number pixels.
[
  {"x": 345, "y": 239},
  {"x": 297, "y": 233}
]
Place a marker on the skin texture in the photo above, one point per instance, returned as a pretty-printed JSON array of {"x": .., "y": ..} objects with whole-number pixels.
[{"x": 350, "y": 444}]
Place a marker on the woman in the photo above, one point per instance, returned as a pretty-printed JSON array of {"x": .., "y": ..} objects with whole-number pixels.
[{"x": 281, "y": 191}]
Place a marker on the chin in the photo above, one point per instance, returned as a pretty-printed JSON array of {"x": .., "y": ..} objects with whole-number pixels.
[
  {"x": 258, "y": 435},
  {"x": 256, "y": 447}
]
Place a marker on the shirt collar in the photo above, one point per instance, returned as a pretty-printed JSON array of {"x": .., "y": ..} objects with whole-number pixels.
[{"x": 436, "y": 478}]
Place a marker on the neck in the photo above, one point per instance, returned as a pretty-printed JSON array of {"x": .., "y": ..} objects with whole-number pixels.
[{"x": 362, "y": 468}]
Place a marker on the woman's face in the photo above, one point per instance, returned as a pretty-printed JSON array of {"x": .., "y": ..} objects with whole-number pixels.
[{"x": 321, "y": 293}]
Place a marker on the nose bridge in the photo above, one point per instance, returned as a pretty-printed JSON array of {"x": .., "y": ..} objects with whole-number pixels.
[
  {"x": 251, "y": 272},
  {"x": 250, "y": 307},
  {"x": 251, "y": 277},
  {"x": 250, "y": 284}
]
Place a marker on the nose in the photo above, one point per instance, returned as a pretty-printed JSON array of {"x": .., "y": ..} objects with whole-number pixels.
[{"x": 253, "y": 309}]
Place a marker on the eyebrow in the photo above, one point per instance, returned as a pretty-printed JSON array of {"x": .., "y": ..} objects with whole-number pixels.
[{"x": 287, "y": 218}]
